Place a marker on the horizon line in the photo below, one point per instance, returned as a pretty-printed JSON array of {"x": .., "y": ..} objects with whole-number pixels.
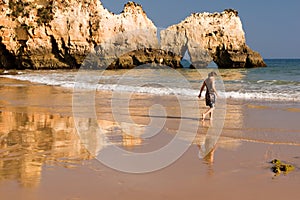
[{"x": 281, "y": 58}]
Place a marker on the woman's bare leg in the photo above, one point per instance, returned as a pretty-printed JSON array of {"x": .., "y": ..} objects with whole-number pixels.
[
  {"x": 210, "y": 110},
  {"x": 211, "y": 114},
  {"x": 203, "y": 117}
]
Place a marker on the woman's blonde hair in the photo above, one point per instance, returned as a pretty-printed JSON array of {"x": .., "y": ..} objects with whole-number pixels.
[{"x": 212, "y": 74}]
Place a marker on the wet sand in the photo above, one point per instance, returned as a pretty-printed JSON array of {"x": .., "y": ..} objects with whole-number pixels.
[{"x": 42, "y": 157}]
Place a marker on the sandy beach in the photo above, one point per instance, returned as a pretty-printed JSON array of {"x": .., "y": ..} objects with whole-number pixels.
[{"x": 42, "y": 157}]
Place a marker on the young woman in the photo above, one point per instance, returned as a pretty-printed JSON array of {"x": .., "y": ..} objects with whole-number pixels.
[{"x": 211, "y": 93}]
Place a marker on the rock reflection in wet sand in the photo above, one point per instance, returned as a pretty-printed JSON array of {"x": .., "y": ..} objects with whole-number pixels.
[{"x": 30, "y": 140}]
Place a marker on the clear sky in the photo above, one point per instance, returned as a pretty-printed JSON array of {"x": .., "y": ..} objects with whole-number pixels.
[{"x": 272, "y": 27}]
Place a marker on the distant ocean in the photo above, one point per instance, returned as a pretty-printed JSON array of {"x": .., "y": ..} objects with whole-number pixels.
[{"x": 280, "y": 81}]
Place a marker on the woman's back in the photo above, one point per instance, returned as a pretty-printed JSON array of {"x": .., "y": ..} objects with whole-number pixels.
[{"x": 209, "y": 82}]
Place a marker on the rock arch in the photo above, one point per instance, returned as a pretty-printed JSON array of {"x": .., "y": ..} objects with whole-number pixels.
[{"x": 207, "y": 37}]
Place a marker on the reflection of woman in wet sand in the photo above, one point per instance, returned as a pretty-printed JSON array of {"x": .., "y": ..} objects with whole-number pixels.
[
  {"x": 210, "y": 96},
  {"x": 208, "y": 157},
  {"x": 207, "y": 149}
]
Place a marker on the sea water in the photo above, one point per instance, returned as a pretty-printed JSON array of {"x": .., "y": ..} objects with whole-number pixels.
[{"x": 279, "y": 81}]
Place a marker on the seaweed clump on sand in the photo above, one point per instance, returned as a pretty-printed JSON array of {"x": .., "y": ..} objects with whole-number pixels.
[{"x": 280, "y": 167}]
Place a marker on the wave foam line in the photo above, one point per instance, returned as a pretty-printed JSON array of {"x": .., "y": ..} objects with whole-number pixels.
[{"x": 187, "y": 92}]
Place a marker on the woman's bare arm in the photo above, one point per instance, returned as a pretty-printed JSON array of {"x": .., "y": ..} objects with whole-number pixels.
[
  {"x": 201, "y": 90},
  {"x": 214, "y": 88}
]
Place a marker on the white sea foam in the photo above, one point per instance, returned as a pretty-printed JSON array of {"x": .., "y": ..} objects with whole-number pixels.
[
  {"x": 111, "y": 83},
  {"x": 263, "y": 96}
]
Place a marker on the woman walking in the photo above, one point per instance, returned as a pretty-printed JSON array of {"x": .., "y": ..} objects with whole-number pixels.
[{"x": 210, "y": 95}]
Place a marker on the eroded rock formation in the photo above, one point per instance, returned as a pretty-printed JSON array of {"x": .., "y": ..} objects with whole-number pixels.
[
  {"x": 146, "y": 56},
  {"x": 41, "y": 34},
  {"x": 60, "y": 33},
  {"x": 207, "y": 37}
]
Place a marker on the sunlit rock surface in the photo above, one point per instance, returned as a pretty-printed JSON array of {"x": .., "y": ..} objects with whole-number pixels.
[{"x": 40, "y": 34}]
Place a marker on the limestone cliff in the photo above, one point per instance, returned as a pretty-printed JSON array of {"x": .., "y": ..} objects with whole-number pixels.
[
  {"x": 60, "y": 33},
  {"x": 207, "y": 37},
  {"x": 39, "y": 34}
]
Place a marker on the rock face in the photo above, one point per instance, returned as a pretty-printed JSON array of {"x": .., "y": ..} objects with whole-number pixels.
[
  {"x": 207, "y": 37},
  {"x": 60, "y": 33},
  {"x": 41, "y": 34},
  {"x": 146, "y": 56}
]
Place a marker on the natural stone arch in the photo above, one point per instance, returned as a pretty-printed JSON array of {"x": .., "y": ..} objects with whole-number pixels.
[
  {"x": 212, "y": 36},
  {"x": 186, "y": 60},
  {"x": 182, "y": 41}
]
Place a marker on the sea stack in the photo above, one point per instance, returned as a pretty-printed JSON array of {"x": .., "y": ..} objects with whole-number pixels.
[
  {"x": 59, "y": 34},
  {"x": 207, "y": 37}
]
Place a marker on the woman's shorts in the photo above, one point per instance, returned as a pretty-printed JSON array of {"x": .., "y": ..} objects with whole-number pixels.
[{"x": 210, "y": 99}]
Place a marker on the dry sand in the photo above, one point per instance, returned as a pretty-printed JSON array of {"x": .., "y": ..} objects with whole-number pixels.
[{"x": 42, "y": 157}]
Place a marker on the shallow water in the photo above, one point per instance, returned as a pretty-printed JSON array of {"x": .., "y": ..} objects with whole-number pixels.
[{"x": 277, "y": 82}]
